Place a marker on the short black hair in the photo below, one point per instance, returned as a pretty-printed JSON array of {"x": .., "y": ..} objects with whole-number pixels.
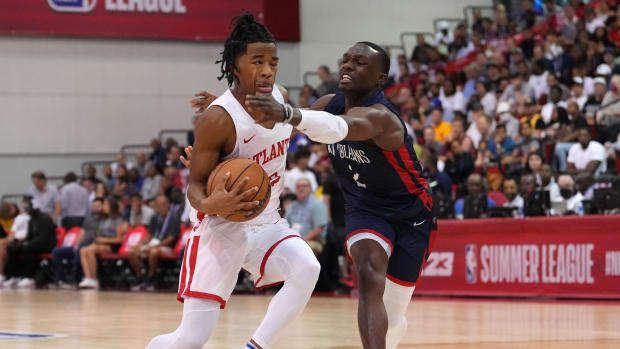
[
  {"x": 302, "y": 152},
  {"x": 246, "y": 31},
  {"x": 70, "y": 177},
  {"x": 385, "y": 58},
  {"x": 38, "y": 175}
]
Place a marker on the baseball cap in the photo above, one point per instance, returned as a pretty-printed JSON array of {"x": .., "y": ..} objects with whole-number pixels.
[
  {"x": 503, "y": 107},
  {"x": 603, "y": 69},
  {"x": 443, "y": 25},
  {"x": 600, "y": 80},
  {"x": 578, "y": 80}
]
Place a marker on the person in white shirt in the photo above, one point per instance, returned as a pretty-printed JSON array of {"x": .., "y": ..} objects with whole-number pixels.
[
  {"x": 452, "y": 101},
  {"x": 120, "y": 160},
  {"x": 571, "y": 197},
  {"x": 487, "y": 98},
  {"x": 538, "y": 79},
  {"x": 510, "y": 188},
  {"x": 577, "y": 92},
  {"x": 302, "y": 157},
  {"x": 587, "y": 155},
  {"x": 555, "y": 100}
]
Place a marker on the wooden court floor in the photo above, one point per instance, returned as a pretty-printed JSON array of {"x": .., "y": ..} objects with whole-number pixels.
[{"x": 91, "y": 319}]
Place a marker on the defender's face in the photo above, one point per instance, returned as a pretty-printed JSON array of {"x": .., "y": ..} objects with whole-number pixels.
[
  {"x": 361, "y": 70},
  {"x": 257, "y": 68}
]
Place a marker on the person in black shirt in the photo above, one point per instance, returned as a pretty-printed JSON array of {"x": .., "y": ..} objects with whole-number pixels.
[
  {"x": 22, "y": 254},
  {"x": 336, "y": 233}
]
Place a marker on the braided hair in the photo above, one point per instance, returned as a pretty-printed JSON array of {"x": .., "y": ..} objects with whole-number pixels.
[{"x": 246, "y": 31}]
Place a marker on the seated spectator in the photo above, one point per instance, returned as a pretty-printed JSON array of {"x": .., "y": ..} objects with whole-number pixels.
[
  {"x": 158, "y": 153},
  {"x": 308, "y": 216},
  {"x": 307, "y": 96},
  {"x": 9, "y": 223},
  {"x": 73, "y": 204},
  {"x": 510, "y": 188},
  {"x": 595, "y": 101},
  {"x": 452, "y": 100},
  {"x": 459, "y": 163},
  {"x": 302, "y": 159},
  {"x": 610, "y": 116},
  {"x": 548, "y": 183},
  {"x": 140, "y": 214},
  {"x": 23, "y": 251},
  {"x": 120, "y": 160},
  {"x": 141, "y": 163},
  {"x": 476, "y": 203},
  {"x": 164, "y": 230},
  {"x": 101, "y": 190},
  {"x": 518, "y": 91},
  {"x": 91, "y": 174},
  {"x": 89, "y": 185},
  {"x": 577, "y": 94},
  {"x": 572, "y": 197},
  {"x": 173, "y": 157},
  {"x": 108, "y": 176},
  {"x": 566, "y": 137},
  {"x": 527, "y": 143},
  {"x": 458, "y": 134},
  {"x": 429, "y": 140},
  {"x": 151, "y": 186},
  {"x": 587, "y": 155},
  {"x": 108, "y": 239},
  {"x": 504, "y": 116},
  {"x": 438, "y": 181},
  {"x": 481, "y": 130},
  {"x": 502, "y": 149},
  {"x": 134, "y": 180},
  {"x": 328, "y": 84},
  {"x": 441, "y": 128},
  {"x": 71, "y": 254},
  {"x": 487, "y": 98},
  {"x": 533, "y": 163},
  {"x": 555, "y": 100},
  {"x": 45, "y": 194}
]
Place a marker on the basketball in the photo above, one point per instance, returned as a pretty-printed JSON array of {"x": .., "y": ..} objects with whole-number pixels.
[{"x": 240, "y": 168}]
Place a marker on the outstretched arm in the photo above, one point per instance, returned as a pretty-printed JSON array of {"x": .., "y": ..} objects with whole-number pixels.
[{"x": 376, "y": 123}]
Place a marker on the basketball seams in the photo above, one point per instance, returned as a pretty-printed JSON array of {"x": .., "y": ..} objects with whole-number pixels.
[
  {"x": 262, "y": 182},
  {"x": 240, "y": 175},
  {"x": 214, "y": 175}
]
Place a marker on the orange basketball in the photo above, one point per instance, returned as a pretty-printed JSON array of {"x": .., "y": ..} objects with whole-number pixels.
[{"x": 239, "y": 169}]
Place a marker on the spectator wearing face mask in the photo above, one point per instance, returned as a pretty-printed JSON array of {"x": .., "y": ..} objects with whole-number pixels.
[{"x": 571, "y": 197}]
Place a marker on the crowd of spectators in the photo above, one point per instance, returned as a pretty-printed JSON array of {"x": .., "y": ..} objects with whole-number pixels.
[{"x": 516, "y": 115}]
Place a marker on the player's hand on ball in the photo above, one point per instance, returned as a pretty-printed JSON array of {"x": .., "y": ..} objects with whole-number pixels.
[
  {"x": 202, "y": 102},
  {"x": 231, "y": 201},
  {"x": 187, "y": 159},
  {"x": 264, "y": 108}
]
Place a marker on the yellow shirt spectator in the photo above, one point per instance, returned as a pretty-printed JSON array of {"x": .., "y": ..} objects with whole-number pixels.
[{"x": 442, "y": 131}]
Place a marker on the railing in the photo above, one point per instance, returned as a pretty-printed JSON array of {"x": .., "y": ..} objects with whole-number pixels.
[
  {"x": 86, "y": 164},
  {"x": 428, "y": 37},
  {"x": 125, "y": 149},
  {"x": 470, "y": 9},
  {"x": 168, "y": 133},
  {"x": 13, "y": 197}
]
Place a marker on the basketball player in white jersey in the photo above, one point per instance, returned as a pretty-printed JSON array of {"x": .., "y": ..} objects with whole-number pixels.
[{"x": 265, "y": 246}]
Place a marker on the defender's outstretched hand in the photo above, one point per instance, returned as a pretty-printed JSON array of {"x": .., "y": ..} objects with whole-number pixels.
[{"x": 202, "y": 102}]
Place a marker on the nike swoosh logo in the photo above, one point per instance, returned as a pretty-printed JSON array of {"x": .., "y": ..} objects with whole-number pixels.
[
  {"x": 246, "y": 141},
  {"x": 420, "y": 223}
]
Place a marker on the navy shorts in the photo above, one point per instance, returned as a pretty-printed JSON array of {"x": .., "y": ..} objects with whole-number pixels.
[{"x": 410, "y": 242}]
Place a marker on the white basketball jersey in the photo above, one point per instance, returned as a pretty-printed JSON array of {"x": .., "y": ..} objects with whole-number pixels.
[{"x": 268, "y": 147}]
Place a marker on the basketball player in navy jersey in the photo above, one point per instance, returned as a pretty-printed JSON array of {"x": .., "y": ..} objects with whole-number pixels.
[{"x": 388, "y": 204}]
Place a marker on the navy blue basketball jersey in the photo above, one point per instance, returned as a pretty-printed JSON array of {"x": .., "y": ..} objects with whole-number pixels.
[{"x": 385, "y": 183}]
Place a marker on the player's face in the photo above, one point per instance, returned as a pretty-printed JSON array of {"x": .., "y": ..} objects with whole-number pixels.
[
  {"x": 257, "y": 68},
  {"x": 361, "y": 70}
]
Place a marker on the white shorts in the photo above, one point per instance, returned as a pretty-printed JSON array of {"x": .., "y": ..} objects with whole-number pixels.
[{"x": 217, "y": 249}]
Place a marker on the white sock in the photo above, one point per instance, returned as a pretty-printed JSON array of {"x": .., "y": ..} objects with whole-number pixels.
[
  {"x": 396, "y": 298},
  {"x": 294, "y": 262},
  {"x": 199, "y": 319}
]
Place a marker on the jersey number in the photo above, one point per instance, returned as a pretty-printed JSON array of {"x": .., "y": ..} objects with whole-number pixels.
[{"x": 274, "y": 178}]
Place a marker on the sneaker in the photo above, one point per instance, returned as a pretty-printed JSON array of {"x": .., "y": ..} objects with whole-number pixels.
[
  {"x": 10, "y": 283},
  {"x": 150, "y": 286},
  {"x": 89, "y": 284},
  {"x": 2, "y": 279},
  {"x": 64, "y": 286},
  {"x": 139, "y": 286},
  {"x": 25, "y": 283}
]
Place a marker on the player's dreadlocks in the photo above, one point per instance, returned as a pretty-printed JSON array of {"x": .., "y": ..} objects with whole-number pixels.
[{"x": 246, "y": 31}]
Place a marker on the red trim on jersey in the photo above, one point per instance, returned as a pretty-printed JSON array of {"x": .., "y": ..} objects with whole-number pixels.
[
  {"x": 360, "y": 231},
  {"x": 183, "y": 275},
  {"x": 266, "y": 257},
  {"x": 399, "y": 282},
  {"x": 209, "y": 296},
  {"x": 408, "y": 161},
  {"x": 270, "y": 285},
  {"x": 404, "y": 176}
]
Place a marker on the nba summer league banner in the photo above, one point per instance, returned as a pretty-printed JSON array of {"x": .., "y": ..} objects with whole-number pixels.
[
  {"x": 155, "y": 19},
  {"x": 534, "y": 257}
]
